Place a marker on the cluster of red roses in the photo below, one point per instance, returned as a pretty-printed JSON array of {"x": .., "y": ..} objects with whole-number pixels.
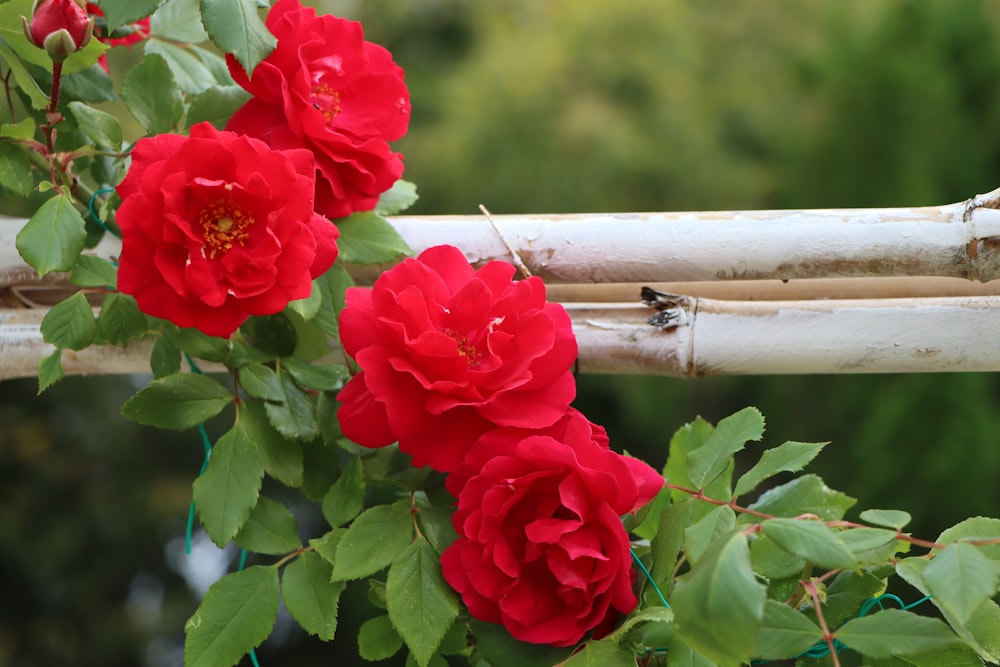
[
  {"x": 219, "y": 226},
  {"x": 469, "y": 371}
]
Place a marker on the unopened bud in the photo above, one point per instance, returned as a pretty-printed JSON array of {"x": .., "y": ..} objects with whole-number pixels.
[{"x": 61, "y": 27}]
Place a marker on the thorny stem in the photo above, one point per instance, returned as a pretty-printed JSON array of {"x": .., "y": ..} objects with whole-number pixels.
[
  {"x": 52, "y": 118},
  {"x": 810, "y": 586}
]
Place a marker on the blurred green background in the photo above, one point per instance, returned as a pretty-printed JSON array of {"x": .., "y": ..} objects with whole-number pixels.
[{"x": 567, "y": 106}]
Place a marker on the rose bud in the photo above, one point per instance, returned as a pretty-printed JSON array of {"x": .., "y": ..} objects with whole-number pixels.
[{"x": 61, "y": 27}]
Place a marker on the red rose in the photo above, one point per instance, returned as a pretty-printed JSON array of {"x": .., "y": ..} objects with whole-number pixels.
[
  {"x": 447, "y": 352},
  {"x": 61, "y": 27},
  {"x": 326, "y": 89},
  {"x": 217, "y": 227},
  {"x": 541, "y": 546}
]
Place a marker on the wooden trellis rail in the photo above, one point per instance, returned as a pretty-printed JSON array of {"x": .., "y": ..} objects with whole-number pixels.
[{"x": 764, "y": 292}]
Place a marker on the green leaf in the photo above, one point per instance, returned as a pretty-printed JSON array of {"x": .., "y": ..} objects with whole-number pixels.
[
  {"x": 89, "y": 85},
  {"x": 771, "y": 561},
  {"x": 730, "y": 436},
  {"x": 179, "y": 21},
  {"x": 788, "y": 457},
  {"x": 260, "y": 381},
  {"x": 895, "y": 632},
  {"x": 23, "y": 78},
  {"x": 869, "y": 545},
  {"x": 804, "y": 495},
  {"x": 975, "y": 528},
  {"x": 100, "y": 126},
  {"x": 308, "y": 307},
  {"x": 15, "y": 169},
  {"x": 844, "y": 596},
  {"x": 682, "y": 655},
  {"x": 235, "y": 616},
  {"x": 70, "y": 323},
  {"x": 785, "y": 632},
  {"x": 53, "y": 238},
  {"x": 435, "y": 522},
  {"x": 603, "y": 653},
  {"x": 177, "y": 402},
  {"x": 282, "y": 458},
  {"x": 662, "y": 616},
  {"x": 150, "y": 93},
  {"x": 90, "y": 271},
  {"x": 273, "y": 334},
  {"x": 332, "y": 286},
  {"x": 346, "y": 498},
  {"x": 24, "y": 129},
  {"x": 311, "y": 598},
  {"x": 810, "y": 540},
  {"x": 295, "y": 416},
  {"x": 271, "y": 529},
  {"x": 216, "y": 105},
  {"x": 961, "y": 579},
  {"x": 121, "y": 320},
  {"x": 948, "y": 657},
  {"x": 665, "y": 547},
  {"x": 237, "y": 29},
  {"x": 326, "y": 415},
  {"x": 165, "y": 358},
  {"x": 367, "y": 238},
  {"x": 120, "y": 12},
  {"x": 241, "y": 354},
  {"x": 401, "y": 196},
  {"x": 685, "y": 440},
  {"x": 310, "y": 341},
  {"x": 216, "y": 63},
  {"x": 373, "y": 541},
  {"x": 329, "y": 377},
  {"x": 326, "y": 546},
  {"x": 718, "y": 523},
  {"x": 421, "y": 605},
  {"x": 190, "y": 73},
  {"x": 890, "y": 518},
  {"x": 719, "y": 606},
  {"x": 981, "y": 631},
  {"x": 50, "y": 370},
  {"x": 377, "y": 639},
  {"x": 198, "y": 344},
  {"x": 226, "y": 493},
  {"x": 320, "y": 469},
  {"x": 497, "y": 647}
]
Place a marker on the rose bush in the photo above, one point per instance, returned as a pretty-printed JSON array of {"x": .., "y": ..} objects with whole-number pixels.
[
  {"x": 447, "y": 352},
  {"x": 217, "y": 227},
  {"x": 327, "y": 89},
  {"x": 542, "y": 548}
]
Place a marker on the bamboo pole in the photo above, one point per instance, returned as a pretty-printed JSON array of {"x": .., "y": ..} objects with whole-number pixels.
[
  {"x": 767, "y": 292},
  {"x": 711, "y": 337},
  {"x": 960, "y": 240}
]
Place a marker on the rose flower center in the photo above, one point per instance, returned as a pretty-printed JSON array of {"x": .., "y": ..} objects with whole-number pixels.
[
  {"x": 466, "y": 348},
  {"x": 326, "y": 100},
  {"x": 224, "y": 224}
]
